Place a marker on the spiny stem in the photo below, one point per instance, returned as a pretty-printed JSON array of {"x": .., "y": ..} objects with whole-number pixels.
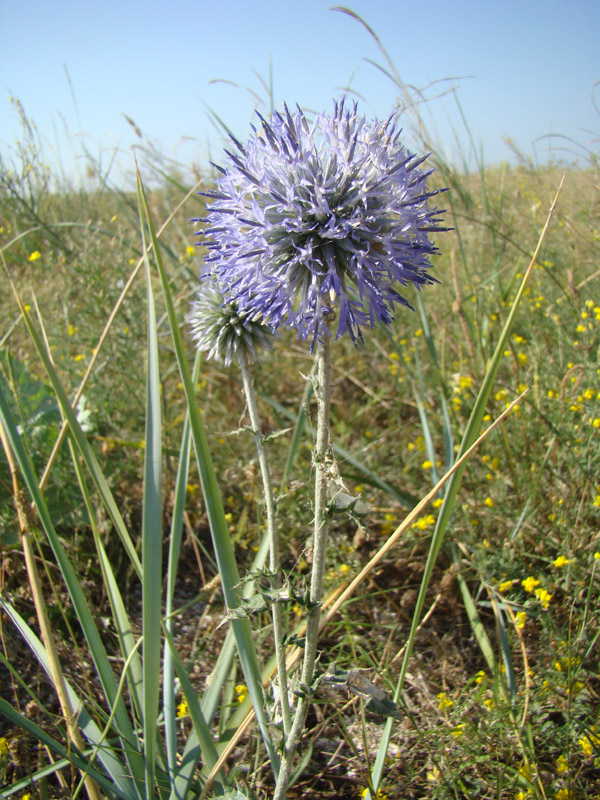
[
  {"x": 321, "y": 462},
  {"x": 274, "y": 567}
]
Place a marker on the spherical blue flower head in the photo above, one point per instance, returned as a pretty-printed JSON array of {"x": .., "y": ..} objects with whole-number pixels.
[{"x": 310, "y": 219}]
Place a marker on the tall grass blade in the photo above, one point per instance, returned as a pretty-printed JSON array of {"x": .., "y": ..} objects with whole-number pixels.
[
  {"x": 69, "y": 756},
  {"x": 107, "y": 755},
  {"x": 203, "y": 734},
  {"x": 80, "y": 439},
  {"x": 98, "y": 652},
  {"x": 224, "y": 552},
  {"x": 179, "y": 494},
  {"x": 152, "y": 536},
  {"x": 469, "y": 436},
  {"x": 120, "y": 617}
]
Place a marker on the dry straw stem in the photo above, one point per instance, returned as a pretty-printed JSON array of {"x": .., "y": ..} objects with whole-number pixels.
[{"x": 347, "y": 592}]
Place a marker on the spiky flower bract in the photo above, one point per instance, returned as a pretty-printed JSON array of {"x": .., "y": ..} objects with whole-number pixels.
[
  {"x": 310, "y": 219},
  {"x": 224, "y": 332}
]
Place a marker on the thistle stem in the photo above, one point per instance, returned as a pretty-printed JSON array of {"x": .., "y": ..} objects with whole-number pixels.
[
  {"x": 274, "y": 568},
  {"x": 321, "y": 463}
]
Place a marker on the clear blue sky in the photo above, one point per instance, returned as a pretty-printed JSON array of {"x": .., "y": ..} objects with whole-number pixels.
[{"x": 533, "y": 65}]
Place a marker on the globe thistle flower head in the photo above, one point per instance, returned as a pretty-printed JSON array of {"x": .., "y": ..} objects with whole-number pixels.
[
  {"x": 224, "y": 332},
  {"x": 312, "y": 220}
]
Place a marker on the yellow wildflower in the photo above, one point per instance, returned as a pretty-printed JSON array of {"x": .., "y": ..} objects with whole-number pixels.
[
  {"x": 182, "y": 709},
  {"x": 422, "y": 523},
  {"x": 586, "y": 746},
  {"x": 458, "y": 731},
  {"x": 35, "y": 255},
  {"x": 562, "y": 765},
  {"x": 561, "y": 561},
  {"x": 521, "y": 618},
  {"x": 530, "y": 583},
  {"x": 242, "y": 692},
  {"x": 380, "y": 794},
  {"x": 444, "y": 701},
  {"x": 544, "y": 597},
  {"x": 525, "y": 771},
  {"x": 504, "y": 586}
]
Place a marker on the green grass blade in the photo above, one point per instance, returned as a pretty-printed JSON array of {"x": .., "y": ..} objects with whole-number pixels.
[
  {"x": 506, "y": 654},
  {"x": 108, "y": 757},
  {"x": 81, "y": 441},
  {"x": 151, "y": 541},
  {"x": 179, "y": 493},
  {"x": 207, "y": 749},
  {"x": 212, "y": 697},
  {"x": 448, "y": 437},
  {"x": 224, "y": 551},
  {"x": 475, "y": 622},
  {"x": 80, "y": 606},
  {"x": 120, "y": 617},
  {"x": 70, "y": 756},
  {"x": 35, "y": 778},
  {"x": 469, "y": 436}
]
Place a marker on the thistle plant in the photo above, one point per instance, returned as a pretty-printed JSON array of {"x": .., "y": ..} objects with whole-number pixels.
[
  {"x": 309, "y": 222},
  {"x": 131, "y": 719}
]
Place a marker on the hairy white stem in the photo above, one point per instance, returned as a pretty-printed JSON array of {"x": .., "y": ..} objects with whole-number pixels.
[{"x": 321, "y": 463}]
